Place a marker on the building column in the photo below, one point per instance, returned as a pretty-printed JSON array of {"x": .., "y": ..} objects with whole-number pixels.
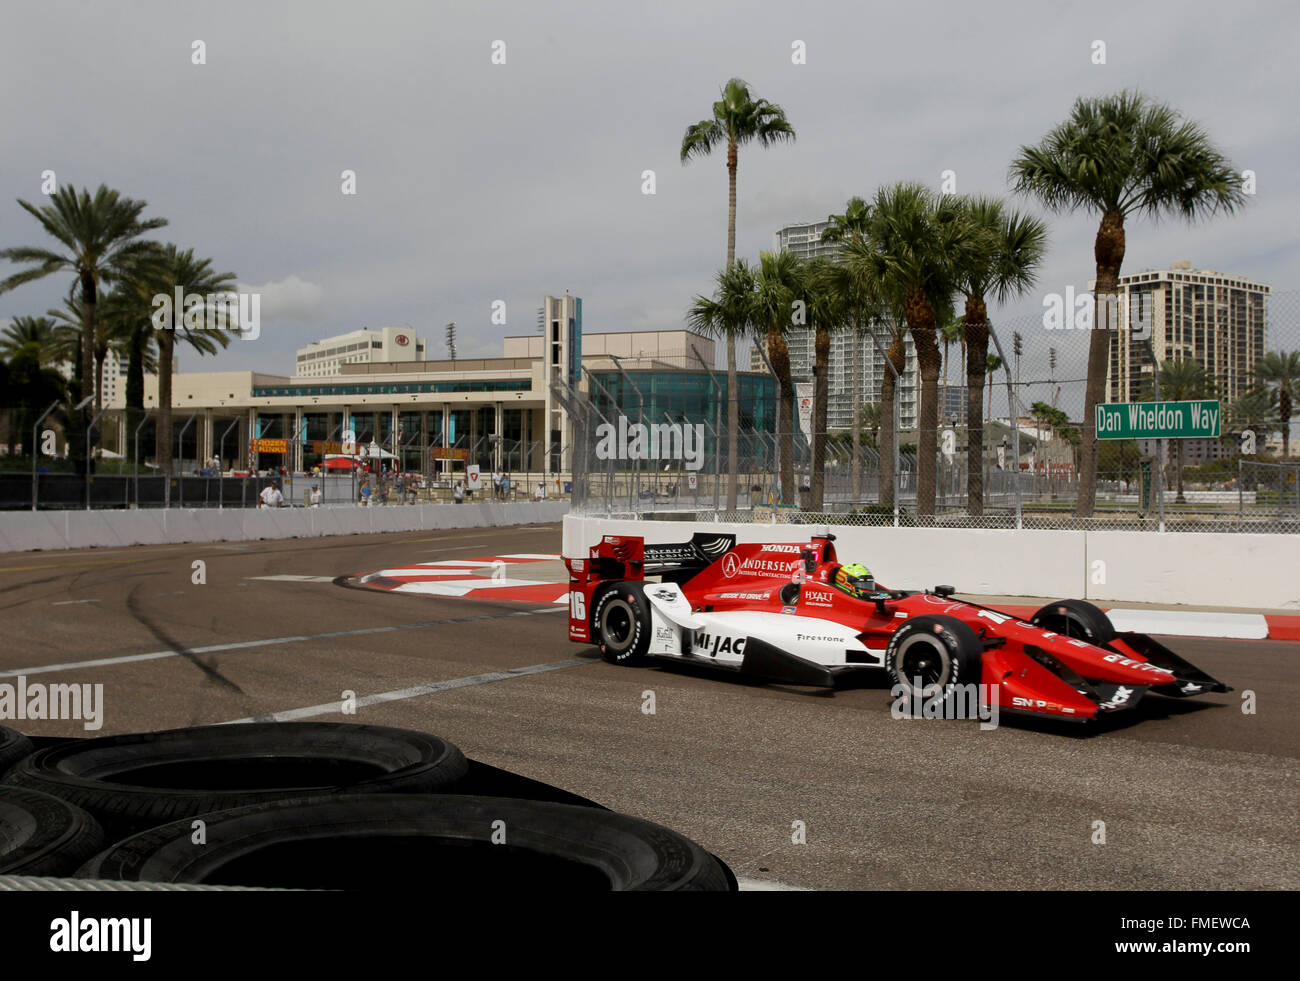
[
  {"x": 500, "y": 435},
  {"x": 206, "y": 437},
  {"x": 295, "y": 445}
]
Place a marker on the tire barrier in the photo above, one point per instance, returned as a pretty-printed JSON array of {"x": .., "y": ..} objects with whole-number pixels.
[
  {"x": 390, "y": 840},
  {"x": 317, "y": 805},
  {"x": 43, "y": 835},
  {"x": 138, "y": 781},
  {"x": 14, "y": 746}
]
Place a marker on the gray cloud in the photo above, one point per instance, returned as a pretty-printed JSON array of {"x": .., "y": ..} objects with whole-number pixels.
[{"x": 479, "y": 182}]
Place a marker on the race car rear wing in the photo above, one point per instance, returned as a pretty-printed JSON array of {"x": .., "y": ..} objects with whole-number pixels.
[{"x": 629, "y": 557}]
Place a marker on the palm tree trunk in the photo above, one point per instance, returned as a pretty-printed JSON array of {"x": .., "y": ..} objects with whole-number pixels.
[
  {"x": 977, "y": 345},
  {"x": 885, "y": 442},
  {"x": 889, "y": 435},
  {"x": 856, "y": 402},
  {"x": 920, "y": 321},
  {"x": 163, "y": 431},
  {"x": 89, "y": 296},
  {"x": 821, "y": 398},
  {"x": 134, "y": 392},
  {"x": 733, "y": 395},
  {"x": 778, "y": 352},
  {"x": 1109, "y": 253}
]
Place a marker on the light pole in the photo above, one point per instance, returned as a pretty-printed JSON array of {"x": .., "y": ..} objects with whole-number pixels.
[
  {"x": 716, "y": 427},
  {"x": 35, "y": 429}
]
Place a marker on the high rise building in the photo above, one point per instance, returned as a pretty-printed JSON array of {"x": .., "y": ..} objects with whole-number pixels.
[
  {"x": 805, "y": 240},
  {"x": 1181, "y": 313},
  {"x": 386, "y": 345}
]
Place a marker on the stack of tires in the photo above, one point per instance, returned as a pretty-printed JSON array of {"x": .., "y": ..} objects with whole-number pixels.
[{"x": 314, "y": 805}]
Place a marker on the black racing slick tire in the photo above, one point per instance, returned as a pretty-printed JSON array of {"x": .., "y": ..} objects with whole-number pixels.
[
  {"x": 1076, "y": 618},
  {"x": 137, "y": 781},
  {"x": 938, "y": 651},
  {"x": 460, "y": 844},
  {"x": 14, "y": 746},
  {"x": 620, "y": 623},
  {"x": 43, "y": 835}
]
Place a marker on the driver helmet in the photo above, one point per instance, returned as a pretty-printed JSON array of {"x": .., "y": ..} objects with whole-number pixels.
[{"x": 854, "y": 579}]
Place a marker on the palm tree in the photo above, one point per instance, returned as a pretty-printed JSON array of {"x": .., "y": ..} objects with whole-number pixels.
[
  {"x": 1116, "y": 156},
  {"x": 832, "y": 306},
  {"x": 29, "y": 386},
  {"x": 29, "y": 330},
  {"x": 870, "y": 417},
  {"x": 1280, "y": 372},
  {"x": 181, "y": 269},
  {"x": 729, "y": 313},
  {"x": 848, "y": 226},
  {"x": 782, "y": 278},
  {"x": 992, "y": 364},
  {"x": 738, "y": 118},
  {"x": 1003, "y": 267},
  {"x": 916, "y": 240},
  {"x": 98, "y": 234},
  {"x": 1179, "y": 381}
]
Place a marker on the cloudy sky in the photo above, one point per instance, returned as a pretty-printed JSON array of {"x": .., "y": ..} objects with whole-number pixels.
[{"x": 479, "y": 182}]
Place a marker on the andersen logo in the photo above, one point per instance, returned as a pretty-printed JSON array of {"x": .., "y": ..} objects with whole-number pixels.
[{"x": 665, "y": 441}]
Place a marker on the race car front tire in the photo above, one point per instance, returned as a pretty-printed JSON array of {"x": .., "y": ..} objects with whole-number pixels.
[
  {"x": 939, "y": 651},
  {"x": 621, "y": 624},
  {"x": 1076, "y": 618}
]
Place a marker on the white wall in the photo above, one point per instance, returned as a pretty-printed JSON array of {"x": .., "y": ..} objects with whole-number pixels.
[
  {"x": 1250, "y": 571},
  {"x": 25, "y": 530}
]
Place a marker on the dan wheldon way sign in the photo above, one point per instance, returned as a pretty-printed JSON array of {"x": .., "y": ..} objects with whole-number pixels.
[{"x": 1159, "y": 420}]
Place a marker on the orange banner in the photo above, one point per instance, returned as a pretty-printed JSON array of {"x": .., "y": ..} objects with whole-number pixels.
[{"x": 270, "y": 446}]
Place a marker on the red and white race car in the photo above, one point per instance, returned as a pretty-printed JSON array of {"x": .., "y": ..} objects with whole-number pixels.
[{"x": 793, "y": 613}]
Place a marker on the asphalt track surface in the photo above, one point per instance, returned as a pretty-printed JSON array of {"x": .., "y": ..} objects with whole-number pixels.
[{"x": 1194, "y": 794}]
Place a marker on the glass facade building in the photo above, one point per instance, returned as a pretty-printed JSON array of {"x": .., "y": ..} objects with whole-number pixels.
[{"x": 692, "y": 398}]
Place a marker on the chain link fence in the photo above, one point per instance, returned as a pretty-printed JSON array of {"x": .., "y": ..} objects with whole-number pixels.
[{"x": 1228, "y": 345}]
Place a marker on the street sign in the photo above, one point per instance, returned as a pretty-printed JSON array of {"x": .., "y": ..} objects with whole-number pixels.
[
  {"x": 1159, "y": 420},
  {"x": 473, "y": 481}
]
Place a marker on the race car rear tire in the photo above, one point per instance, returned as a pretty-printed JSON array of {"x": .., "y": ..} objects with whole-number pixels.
[
  {"x": 1076, "y": 618},
  {"x": 941, "y": 651},
  {"x": 620, "y": 622}
]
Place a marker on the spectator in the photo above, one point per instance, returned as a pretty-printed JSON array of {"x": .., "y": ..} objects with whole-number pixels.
[
  {"x": 366, "y": 493},
  {"x": 458, "y": 492},
  {"x": 505, "y": 486},
  {"x": 271, "y": 496},
  {"x": 496, "y": 485},
  {"x": 401, "y": 488},
  {"x": 316, "y": 496}
]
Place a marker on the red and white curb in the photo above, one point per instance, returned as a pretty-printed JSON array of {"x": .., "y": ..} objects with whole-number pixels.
[
  {"x": 508, "y": 579},
  {"x": 492, "y": 577}
]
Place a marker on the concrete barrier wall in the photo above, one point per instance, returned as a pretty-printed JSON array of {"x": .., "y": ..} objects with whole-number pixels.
[
  {"x": 26, "y": 530},
  {"x": 1249, "y": 571}
]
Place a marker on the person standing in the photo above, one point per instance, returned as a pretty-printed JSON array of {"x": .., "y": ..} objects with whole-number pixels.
[
  {"x": 271, "y": 496},
  {"x": 316, "y": 496},
  {"x": 458, "y": 493}
]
